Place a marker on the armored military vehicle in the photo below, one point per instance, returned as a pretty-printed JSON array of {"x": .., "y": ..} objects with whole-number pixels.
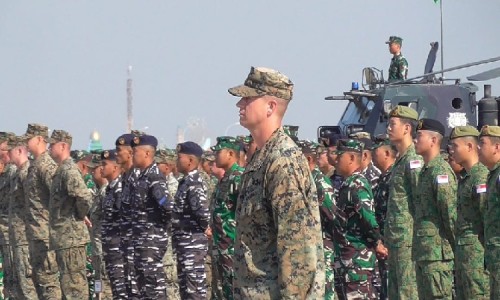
[{"x": 450, "y": 101}]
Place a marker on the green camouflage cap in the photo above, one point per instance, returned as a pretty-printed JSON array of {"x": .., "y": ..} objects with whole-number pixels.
[
  {"x": 488, "y": 130},
  {"x": 264, "y": 81},
  {"x": 226, "y": 142},
  {"x": 245, "y": 139},
  {"x": 395, "y": 39},
  {"x": 461, "y": 131},
  {"x": 208, "y": 156},
  {"x": 60, "y": 136},
  {"x": 349, "y": 145},
  {"x": 360, "y": 135},
  {"x": 163, "y": 156},
  {"x": 6, "y": 136},
  {"x": 95, "y": 161},
  {"x": 308, "y": 147},
  {"x": 401, "y": 111},
  {"x": 381, "y": 140},
  {"x": 36, "y": 130}
]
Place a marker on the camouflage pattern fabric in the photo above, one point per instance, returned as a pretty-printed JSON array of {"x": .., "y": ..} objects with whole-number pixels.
[
  {"x": 70, "y": 201},
  {"x": 492, "y": 231},
  {"x": 190, "y": 219},
  {"x": 434, "y": 228},
  {"x": 471, "y": 278},
  {"x": 110, "y": 230},
  {"x": 372, "y": 174},
  {"x": 356, "y": 232},
  {"x": 9, "y": 280},
  {"x": 25, "y": 289},
  {"x": 151, "y": 206},
  {"x": 398, "y": 230},
  {"x": 279, "y": 247},
  {"x": 224, "y": 226},
  {"x": 398, "y": 70},
  {"x": 327, "y": 206}
]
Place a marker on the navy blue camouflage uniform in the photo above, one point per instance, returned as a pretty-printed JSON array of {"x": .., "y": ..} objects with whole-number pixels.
[{"x": 190, "y": 219}]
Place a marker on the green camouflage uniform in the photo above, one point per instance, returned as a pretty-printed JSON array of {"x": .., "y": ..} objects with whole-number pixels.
[
  {"x": 472, "y": 280},
  {"x": 70, "y": 202},
  {"x": 434, "y": 229},
  {"x": 398, "y": 70},
  {"x": 492, "y": 231},
  {"x": 224, "y": 226},
  {"x": 278, "y": 248},
  {"x": 17, "y": 232}
]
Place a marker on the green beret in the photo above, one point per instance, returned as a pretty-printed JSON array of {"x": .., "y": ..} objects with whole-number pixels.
[
  {"x": 349, "y": 145},
  {"x": 488, "y": 130},
  {"x": 226, "y": 142},
  {"x": 401, "y": 111},
  {"x": 394, "y": 39},
  {"x": 381, "y": 140},
  {"x": 461, "y": 131}
]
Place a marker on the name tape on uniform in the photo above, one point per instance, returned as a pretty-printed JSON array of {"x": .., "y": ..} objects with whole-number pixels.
[
  {"x": 414, "y": 164},
  {"x": 481, "y": 188},
  {"x": 442, "y": 179}
]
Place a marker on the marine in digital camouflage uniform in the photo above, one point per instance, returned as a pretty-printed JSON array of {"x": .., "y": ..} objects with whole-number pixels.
[
  {"x": 110, "y": 225},
  {"x": 398, "y": 70},
  {"x": 326, "y": 201},
  {"x": 227, "y": 151},
  {"x": 166, "y": 159},
  {"x": 9, "y": 281},
  {"x": 356, "y": 231},
  {"x": 37, "y": 194},
  {"x": 471, "y": 278},
  {"x": 69, "y": 204},
  {"x": 279, "y": 246},
  {"x": 489, "y": 143},
  {"x": 384, "y": 156},
  {"x": 25, "y": 288},
  {"x": 398, "y": 231},
  {"x": 151, "y": 206},
  {"x": 435, "y": 215},
  {"x": 190, "y": 223}
]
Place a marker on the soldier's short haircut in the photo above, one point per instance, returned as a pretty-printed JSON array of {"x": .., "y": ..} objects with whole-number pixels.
[
  {"x": 494, "y": 139},
  {"x": 413, "y": 124},
  {"x": 392, "y": 149},
  {"x": 470, "y": 139}
]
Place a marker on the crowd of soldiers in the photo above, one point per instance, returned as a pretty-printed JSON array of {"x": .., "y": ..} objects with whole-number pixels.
[{"x": 263, "y": 216}]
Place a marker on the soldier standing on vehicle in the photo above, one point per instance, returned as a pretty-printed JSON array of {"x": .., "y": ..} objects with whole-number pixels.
[
  {"x": 398, "y": 70},
  {"x": 471, "y": 278}
]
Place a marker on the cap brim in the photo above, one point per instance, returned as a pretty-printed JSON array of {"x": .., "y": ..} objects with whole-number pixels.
[{"x": 245, "y": 91}]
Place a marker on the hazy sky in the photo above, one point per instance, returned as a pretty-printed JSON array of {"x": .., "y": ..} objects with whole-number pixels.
[{"x": 64, "y": 63}]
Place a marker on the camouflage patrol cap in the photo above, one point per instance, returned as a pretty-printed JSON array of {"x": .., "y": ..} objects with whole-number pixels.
[
  {"x": 264, "y": 81},
  {"x": 360, "y": 135},
  {"x": 78, "y": 155},
  {"x": 381, "y": 140},
  {"x": 308, "y": 147},
  {"x": 349, "y": 145},
  {"x": 245, "y": 139},
  {"x": 62, "y": 136},
  {"x": 226, "y": 142},
  {"x": 136, "y": 132},
  {"x": 6, "y": 136},
  {"x": 36, "y": 130},
  {"x": 405, "y": 112},
  {"x": 208, "y": 156},
  {"x": 95, "y": 160},
  {"x": 163, "y": 156},
  {"x": 431, "y": 125},
  {"x": 488, "y": 130},
  {"x": 461, "y": 131},
  {"x": 15, "y": 141},
  {"x": 395, "y": 39}
]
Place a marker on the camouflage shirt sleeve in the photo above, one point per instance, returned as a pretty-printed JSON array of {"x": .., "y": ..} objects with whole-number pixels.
[
  {"x": 362, "y": 200},
  {"x": 403, "y": 67},
  {"x": 77, "y": 189},
  {"x": 293, "y": 199},
  {"x": 446, "y": 197},
  {"x": 479, "y": 196},
  {"x": 47, "y": 172},
  {"x": 197, "y": 200},
  {"x": 412, "y": 172}
]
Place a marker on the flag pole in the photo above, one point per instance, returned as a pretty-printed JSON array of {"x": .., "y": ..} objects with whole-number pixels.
[{"x": 442, "y": 55}]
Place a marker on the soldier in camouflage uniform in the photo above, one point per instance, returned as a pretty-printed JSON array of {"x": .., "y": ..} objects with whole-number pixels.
[
  {"x": 151, "y": 206},
  {"x": 166, "y": 159},
  {"x": 190, "y": 223},
  {"x": 471, "y": 278},
  {"x": 489, "y": 155},
  {"x": 435, "y": 215},
  {"x": 398, "y": 231},
  {"x": 17, "y": 227},
  {"x": 384, "y": 156},
  {"x": 124, "y": 159},
  {"x": 37, "y": 194},
  {"x": 292, "y": 131},
  {"x": 223, "y": 225},
  {"x": 279, "y": 247},
  {"x": 110, "y": 224},
  {"x": 356, "y": 231},
  {"x": 398, "y": 70},
  {"x": 69, "y": 204},
  {"x": 6, "y": 177},
  {"x": 327, "y": 207}
]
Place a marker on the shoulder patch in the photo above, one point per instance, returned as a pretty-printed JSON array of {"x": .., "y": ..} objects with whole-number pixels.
[
  {"x": 442, "y": 179},
  {"x": 415, "y": 164},
  {"x": 481, "y": 188}
]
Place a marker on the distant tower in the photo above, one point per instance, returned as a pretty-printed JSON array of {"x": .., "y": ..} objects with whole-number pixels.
[
  {"x": 180, "y": 134},
  {"x": 95, "y": 141},
  {"x": 130, "y": 120}
]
